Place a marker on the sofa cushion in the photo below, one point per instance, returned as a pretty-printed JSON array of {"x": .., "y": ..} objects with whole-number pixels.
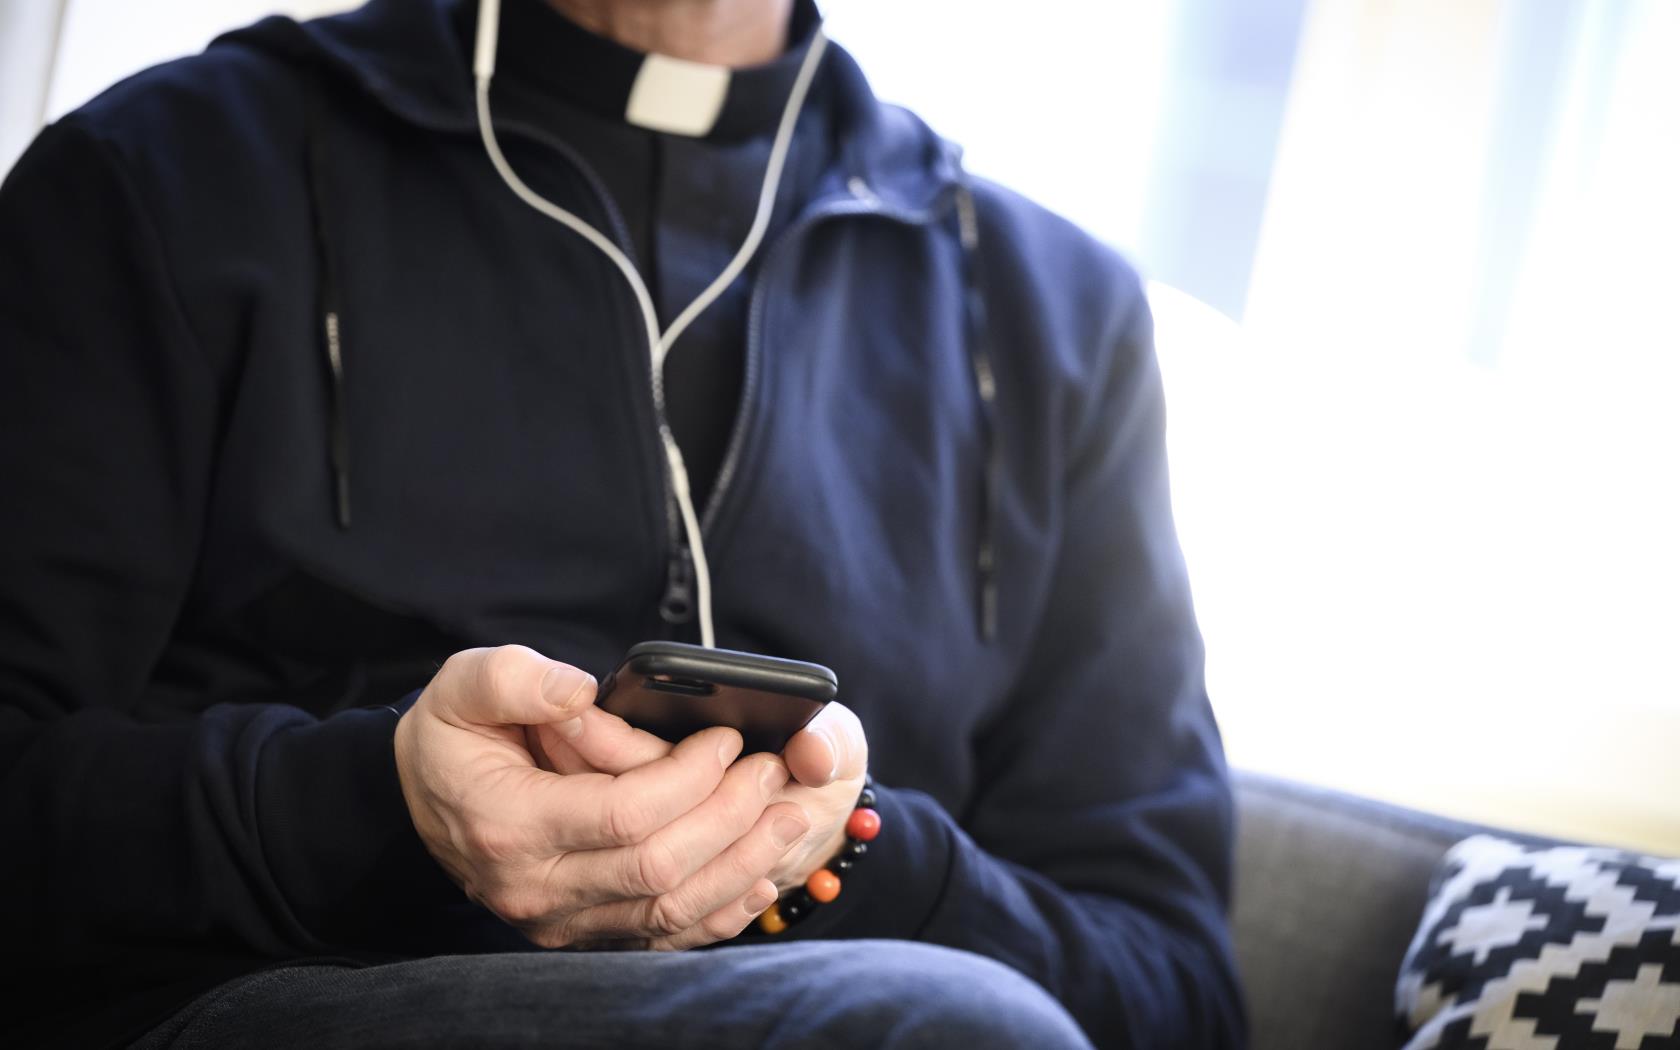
[{"x": 1564, "y": 947}]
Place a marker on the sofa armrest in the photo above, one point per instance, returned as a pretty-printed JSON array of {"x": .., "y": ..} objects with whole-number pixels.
[{"x": 1329, "y": 890}]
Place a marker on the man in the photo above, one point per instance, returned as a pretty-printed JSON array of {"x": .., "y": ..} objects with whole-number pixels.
[{"x": 333, "y": 469}]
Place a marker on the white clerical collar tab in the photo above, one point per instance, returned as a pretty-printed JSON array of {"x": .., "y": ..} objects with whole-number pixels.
[{"x": 677, "y": 96}]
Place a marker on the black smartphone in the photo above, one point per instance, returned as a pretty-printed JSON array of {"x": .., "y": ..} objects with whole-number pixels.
[{"x": 674, "y": 690}]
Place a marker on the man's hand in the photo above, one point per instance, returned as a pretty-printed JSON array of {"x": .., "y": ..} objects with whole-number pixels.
[
  {"x": 668, "y": 852},
  {"x": 827, "y": 760}
]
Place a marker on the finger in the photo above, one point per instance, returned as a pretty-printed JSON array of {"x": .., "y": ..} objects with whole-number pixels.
[
  {"x": 728, "y": 877},
  {"x": 831, "y": 747},
  {"x": 724, "y": 924},
  {"x": 735, "y": 871},
  {"x": 509, "y": 686},
  {"x": 544, "y": 749},
  {"x": 673, "y": 854},
  {"x": 603, "y": 743},
  {"x": 590, "y": 811}
]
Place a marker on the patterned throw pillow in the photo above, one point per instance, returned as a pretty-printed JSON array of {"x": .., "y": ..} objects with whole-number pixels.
[{"x": 1566, "y": 948}]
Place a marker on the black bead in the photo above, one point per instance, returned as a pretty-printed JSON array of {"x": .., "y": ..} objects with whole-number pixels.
[
  {"x": 867, "y": 799},
  {"x": 841, "y": 864},
  {"x": 855, "y": 848},
  {"x": 796, "y": 906}
]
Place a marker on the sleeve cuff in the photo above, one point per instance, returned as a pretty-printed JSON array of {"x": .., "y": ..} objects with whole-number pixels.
[{"x": 340, "y": 841}]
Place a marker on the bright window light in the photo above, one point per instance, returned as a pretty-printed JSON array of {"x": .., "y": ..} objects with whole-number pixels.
[{"x": 1429, "y": 484}]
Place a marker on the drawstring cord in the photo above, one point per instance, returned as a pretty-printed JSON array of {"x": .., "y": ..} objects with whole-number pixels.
[
  {"x": 327, "y": 291},
  {"x": 985, "y": 384}
]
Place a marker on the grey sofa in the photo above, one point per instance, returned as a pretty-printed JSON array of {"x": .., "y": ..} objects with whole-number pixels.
[{"x": 1329, "y": 889}]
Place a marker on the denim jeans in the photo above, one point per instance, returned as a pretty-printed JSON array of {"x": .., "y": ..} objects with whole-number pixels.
[{"x": 894, "y": 994}]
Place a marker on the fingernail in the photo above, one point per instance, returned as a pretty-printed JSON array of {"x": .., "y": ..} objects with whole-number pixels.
[
  {"x": 771, "y": 779},
  {"x": 757, "y": 902},
  {"x": 571, "y": 728},
  {"x": 728, "y": 748},
  {"x": 787, "y": 830},
  {"x": 562, "y": 684}
]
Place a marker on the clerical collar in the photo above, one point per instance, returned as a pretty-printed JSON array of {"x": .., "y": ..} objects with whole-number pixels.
[{"x": 544, "y": 51}]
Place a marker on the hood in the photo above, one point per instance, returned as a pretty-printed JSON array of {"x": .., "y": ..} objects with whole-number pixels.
[{"x": 407, "y": 56}]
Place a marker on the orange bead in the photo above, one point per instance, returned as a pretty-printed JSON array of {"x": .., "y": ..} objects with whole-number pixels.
[
  {"x": 823, "y": 885},
  {"x": 863, "y": 825},
  {"x": 771, "y": 921}
]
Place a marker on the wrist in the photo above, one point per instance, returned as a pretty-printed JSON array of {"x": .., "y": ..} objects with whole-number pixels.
[
  {"x": 824, "y": 883},
  {"x": 817, "y": 860}
]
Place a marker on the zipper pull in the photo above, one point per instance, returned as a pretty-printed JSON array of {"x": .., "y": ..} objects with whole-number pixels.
[
  {"x": 338, "y": 425},
  {"x": 677, "y": 605}
]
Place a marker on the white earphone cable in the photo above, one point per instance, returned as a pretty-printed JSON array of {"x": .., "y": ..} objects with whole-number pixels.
[
  {"x": 766, "y": 199},
  {"x": 659, "y": 345}
]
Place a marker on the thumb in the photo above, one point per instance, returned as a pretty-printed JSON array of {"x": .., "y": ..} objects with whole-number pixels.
[
  {"x": 511, "y": 685},
  {"x": 831, "y": 747}
]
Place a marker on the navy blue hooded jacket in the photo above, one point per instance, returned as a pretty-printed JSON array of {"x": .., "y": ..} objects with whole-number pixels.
[{"x": 223, "y": 554}]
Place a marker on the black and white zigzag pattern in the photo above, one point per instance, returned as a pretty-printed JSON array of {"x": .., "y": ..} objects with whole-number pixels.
[{"x": 1567, "y": 948}]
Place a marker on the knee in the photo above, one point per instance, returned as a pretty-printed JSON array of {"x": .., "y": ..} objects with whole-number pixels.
[{"x": 907, "y": 995}]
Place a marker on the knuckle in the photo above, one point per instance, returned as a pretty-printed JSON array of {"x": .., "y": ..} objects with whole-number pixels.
[
  {"x": 491, "y": 841},
  {"x": 516, "y": 907},
  {"x": 462, "y": 669},
  {"x": 657, "y": 871},
  {"x": 668, "y": 916},
  {"x": 500, "y": 668},
  {"x": 456, "y": 663},
  {"x": 628, "y": 821}
]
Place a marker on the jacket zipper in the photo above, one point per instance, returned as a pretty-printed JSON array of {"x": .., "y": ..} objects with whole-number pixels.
[
  {"x": 676, "y": 603},
  {"x": 862, "y": 202}
]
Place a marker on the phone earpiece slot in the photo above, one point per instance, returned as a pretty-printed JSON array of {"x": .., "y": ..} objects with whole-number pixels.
[{"x": 685, "y": 686}]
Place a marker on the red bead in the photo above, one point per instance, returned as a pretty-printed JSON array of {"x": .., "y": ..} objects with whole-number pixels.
[
  {"x": 823, "y": 885},
  {"x": 863, "y": 825}
]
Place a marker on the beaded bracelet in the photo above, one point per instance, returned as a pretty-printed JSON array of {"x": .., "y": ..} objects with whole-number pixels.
[{"x": 824, "y": 884}]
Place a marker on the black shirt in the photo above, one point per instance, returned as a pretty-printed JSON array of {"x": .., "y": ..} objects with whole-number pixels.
[{"x": 686, "y": 202}]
